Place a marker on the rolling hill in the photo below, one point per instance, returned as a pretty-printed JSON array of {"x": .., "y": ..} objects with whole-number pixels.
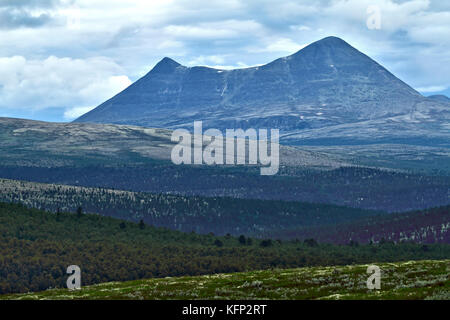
[
  {"x": 138, "y": 159},
  {"x": 48, "y": 144}
]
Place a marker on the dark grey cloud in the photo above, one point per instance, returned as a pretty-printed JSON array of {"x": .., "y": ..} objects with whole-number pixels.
[
  {"x": 29, "y": 3},
  {"x": 17, "y": 18},
  {"x": 22, "y": 13}
]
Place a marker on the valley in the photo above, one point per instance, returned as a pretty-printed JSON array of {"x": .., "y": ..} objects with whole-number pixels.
[{"x": 363, "y": 178}]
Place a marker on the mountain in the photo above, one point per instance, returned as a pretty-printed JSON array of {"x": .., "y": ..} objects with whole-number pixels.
[
  {"x": 325, "y": 85},
  {"x": 440, "y": 98}
]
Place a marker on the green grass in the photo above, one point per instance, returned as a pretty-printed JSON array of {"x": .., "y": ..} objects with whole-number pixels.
[{"x": 404, "y": 280}]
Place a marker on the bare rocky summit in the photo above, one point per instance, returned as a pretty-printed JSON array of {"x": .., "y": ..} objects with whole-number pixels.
[{"x": 329, "y": 88}]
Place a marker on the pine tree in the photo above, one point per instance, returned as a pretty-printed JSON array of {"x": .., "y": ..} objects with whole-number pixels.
[{"x": 79, "y": 212}]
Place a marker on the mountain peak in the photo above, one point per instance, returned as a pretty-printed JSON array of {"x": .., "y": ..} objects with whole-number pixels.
[
  {"x": 332, "y": 51},
  {"x": 332, "y": 40},
  {"x": 166, "y": 65},
  {"x": 328, "y": 44}
]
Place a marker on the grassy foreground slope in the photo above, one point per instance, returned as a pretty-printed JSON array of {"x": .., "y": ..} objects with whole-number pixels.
[{"x": 403, "y": 280}]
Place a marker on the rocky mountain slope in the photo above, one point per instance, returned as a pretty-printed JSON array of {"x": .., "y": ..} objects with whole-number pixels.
[
  {"x": 440, "y": 97},
  {"x": 327, "y": 88}
]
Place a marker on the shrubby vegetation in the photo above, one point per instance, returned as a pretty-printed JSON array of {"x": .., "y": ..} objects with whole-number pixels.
[
  {"x": 36, "y": 247},
  {"x": 427, "y": 280}
]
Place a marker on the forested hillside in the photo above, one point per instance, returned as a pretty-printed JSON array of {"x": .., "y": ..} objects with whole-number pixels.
[
  {"x": 258, "y": 218},
  {"x": 36, "y": 247},
  {"x": 424, "y": 226},
  {"x": 364, "y": 188},
  {"x": 200, "y": 214}
]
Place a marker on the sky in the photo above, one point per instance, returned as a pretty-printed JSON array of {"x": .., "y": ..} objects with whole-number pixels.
[{"x": 61, "y": 58}]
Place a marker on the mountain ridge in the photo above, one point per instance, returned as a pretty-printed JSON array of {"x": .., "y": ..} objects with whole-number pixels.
[
  {"x": 440, "y": 98},
  {"x": 326, "y": 84}
]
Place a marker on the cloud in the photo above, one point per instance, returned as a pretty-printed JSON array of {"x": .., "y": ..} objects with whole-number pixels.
[
  {"x": 205, "y": 60},
  {"x": 214, "y": 30},
  {"x": 432, "y": 89},
  {"x": 282, "y": 46},
  {"x": 32, "y": 3},
  {"x": 76, "y": 112},
  {"x": 17, "y": 18},
  {"x": 33, "y": 85},
  {"x": 170, "y": 44},
  {"x": 28, "y": 13},
  {"x": 300, "y": 28}
]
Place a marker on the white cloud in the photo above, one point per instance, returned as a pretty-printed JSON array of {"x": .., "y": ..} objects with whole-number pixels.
[
  {"x": 284, "y": 46},
  {"x": 214, "y": 30},
  {"x": 104, "y": 88},
  {"x": 300, "y": 28},
  {"x": 58, "y": 82},
  {"x": 207, "y": 60},
  {"x": 287, "y": 9},
  {"x": 432, "y": 89},
  {"x": 239, "y": 65},
  {"x": 170, "y": 44},
  {"x": 76, "y": 112}
]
